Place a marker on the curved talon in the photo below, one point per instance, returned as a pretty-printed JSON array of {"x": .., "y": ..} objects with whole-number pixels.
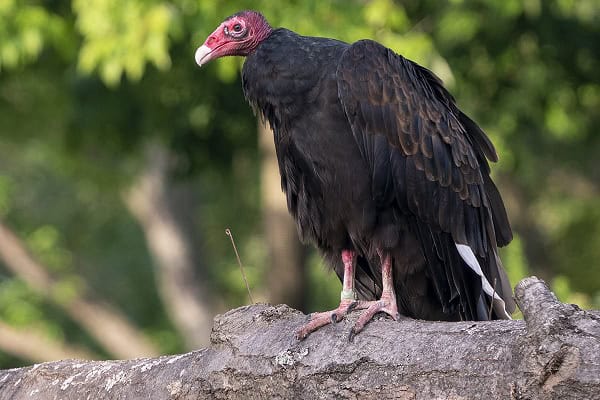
[
  {"x": 300, "y": 335},
  {"x": 334, "y": 319},
  {"x": 386, "y": 304},
  {"x": 352, "y": 335},
  {"x": 352, "y": 306},
  {"x": 317, "y": 320}
]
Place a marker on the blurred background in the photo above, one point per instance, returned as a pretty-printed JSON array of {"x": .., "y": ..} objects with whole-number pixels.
[{"x": 122, "y": 163}]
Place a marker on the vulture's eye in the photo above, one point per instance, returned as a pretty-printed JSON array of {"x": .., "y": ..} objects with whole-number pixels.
[{"x": 237, "y": 28}]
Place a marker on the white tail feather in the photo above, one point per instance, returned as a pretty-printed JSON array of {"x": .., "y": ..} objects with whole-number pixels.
[{"x": 469, "y": 257}]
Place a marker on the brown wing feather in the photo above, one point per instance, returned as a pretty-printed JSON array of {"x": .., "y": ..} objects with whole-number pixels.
[
  {"x": 386, "y": 94},
  {"x": 435, "y": 157}
]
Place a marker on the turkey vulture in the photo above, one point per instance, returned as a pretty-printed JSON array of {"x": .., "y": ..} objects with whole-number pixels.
[{"x": 382, "y": 172}]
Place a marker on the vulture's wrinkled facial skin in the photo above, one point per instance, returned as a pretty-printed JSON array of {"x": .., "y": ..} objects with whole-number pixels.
[{"x": 238, "y": 35}]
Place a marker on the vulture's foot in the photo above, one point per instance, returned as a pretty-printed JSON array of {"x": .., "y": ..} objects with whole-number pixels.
[
  {"x": 387, "y": 304},
  {"x": 320, "y": 319}
]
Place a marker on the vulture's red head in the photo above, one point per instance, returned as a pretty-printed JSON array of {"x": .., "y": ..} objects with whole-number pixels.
[{"x": 238, "y": 35}]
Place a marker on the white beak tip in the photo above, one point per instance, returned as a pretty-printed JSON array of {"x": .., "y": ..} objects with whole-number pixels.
[{"x": 202, "y": 55}]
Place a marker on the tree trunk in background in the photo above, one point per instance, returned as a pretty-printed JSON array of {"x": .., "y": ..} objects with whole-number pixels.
[
  {"x": 164, "y": 210},
  {"x": 287, "y": 273}
]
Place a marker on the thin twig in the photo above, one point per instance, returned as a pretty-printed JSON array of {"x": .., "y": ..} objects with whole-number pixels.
[
  {"x": 492, "y": 302},
  {"x": 228, "y": 233}
]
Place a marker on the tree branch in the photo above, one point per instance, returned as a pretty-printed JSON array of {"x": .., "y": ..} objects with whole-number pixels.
[
  {"x": 555, "y": 353},
  {"x": 107, "y": 325}
]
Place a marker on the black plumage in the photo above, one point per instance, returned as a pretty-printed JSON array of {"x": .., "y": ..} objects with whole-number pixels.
[
  {"x": 374, "y": 153},
  {"x": 379, "y": 166}
]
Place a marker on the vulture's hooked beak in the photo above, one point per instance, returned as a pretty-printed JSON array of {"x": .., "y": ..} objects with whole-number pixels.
[{"x": 202, "y": 55}]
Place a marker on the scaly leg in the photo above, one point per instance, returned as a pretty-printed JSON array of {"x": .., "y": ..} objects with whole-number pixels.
[
  {"x": 347, "y": 300},
  {"x": 387, "y": 302}
]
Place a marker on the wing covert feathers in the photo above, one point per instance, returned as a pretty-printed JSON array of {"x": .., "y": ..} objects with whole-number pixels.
[{"x": 426, "y": 156}]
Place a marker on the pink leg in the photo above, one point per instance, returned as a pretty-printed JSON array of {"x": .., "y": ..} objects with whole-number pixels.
[
  {"x": 387, "y": 302},
  {"x": 347, "y": 300}
]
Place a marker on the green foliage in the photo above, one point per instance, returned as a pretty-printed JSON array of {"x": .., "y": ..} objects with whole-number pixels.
[
  {"x": 19, "y": 306},
  {"x": 514, "y": 260},
  {"x": 120, "y": 36},
  {"x": 6, "y": 186},
  {"x": 324, "y": 284},
  {"x": 25, "y": 27},
  {"x": 84, "y": 84}
]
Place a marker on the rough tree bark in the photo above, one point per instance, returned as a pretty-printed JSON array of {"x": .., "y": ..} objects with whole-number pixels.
[{"x": 553, "y": 354}]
